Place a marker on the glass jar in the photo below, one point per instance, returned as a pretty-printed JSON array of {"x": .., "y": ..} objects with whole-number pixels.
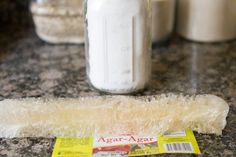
[
  {"x": 59, "y": 21},
  {"x": 118, "y": 44},
  {"x": 163, "y": 15},
  {"x": 207, "y": 20}
]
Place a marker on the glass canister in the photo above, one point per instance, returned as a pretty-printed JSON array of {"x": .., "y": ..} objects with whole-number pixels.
[
  {"x": 163, "y": 15},
  {"x": 59, "y": 21},
  {"x": 207, "y": 20},
  {"x": 118, "y": 44}
]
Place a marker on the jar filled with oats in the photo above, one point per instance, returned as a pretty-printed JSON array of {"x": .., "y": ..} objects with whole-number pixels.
[{"x": 58, "y": 21}]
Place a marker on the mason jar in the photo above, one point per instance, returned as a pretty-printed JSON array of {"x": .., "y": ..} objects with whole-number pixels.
[
  {"x": 59, "y": 21},
  {"x": 118, "y": 44},
  {"x": 207, "y": 20},
  {"x": 163, "y": 18}
]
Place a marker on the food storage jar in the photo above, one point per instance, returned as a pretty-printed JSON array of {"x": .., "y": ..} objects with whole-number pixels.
[
  {"x": 118, "y": 44},
  {"x": 59, "y": 21},
  {"x": 163, "y": 15},
  {"x": 207, "y": 20}
]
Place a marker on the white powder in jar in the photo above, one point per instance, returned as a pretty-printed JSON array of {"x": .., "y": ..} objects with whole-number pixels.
[{"x": 118, "y": 52}]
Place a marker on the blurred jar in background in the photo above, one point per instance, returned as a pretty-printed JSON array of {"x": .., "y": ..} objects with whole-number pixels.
[
  {"x": 163, "y": 14},
  {"x": 207, "y": 20},
  {"x": 59, "y": 21}
]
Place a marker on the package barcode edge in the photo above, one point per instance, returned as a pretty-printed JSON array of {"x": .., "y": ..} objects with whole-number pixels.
[{"x": 179, "y": 147}]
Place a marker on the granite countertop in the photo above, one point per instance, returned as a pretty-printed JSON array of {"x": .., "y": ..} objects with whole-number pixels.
[{"x": 30, "y": 67}]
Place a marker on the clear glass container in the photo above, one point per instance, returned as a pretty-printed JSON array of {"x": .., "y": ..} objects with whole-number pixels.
[
  {"x": 118, "y": 44},
  {"x": 59, "y": 21},
  {"x": 163, "y": 17},
  {"x": 207, "y": 20}
]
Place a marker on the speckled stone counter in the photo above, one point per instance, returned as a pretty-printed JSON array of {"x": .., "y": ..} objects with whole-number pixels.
[{"x": 30, "y": 67}]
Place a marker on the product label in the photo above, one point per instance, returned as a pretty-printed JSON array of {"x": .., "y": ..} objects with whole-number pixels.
[
  {"x": 73, "y": 147},
  {"x": 178, "y": 142},
  {"x": 127, "y": 145}
]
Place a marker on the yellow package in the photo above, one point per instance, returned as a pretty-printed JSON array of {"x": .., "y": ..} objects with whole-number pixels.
[
  {"x": 73, "y": 147},
  {"x": 178, "y": 142}
]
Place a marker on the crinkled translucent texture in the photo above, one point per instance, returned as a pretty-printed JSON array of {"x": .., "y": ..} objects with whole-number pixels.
[{"x": 111, "y": 115}]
